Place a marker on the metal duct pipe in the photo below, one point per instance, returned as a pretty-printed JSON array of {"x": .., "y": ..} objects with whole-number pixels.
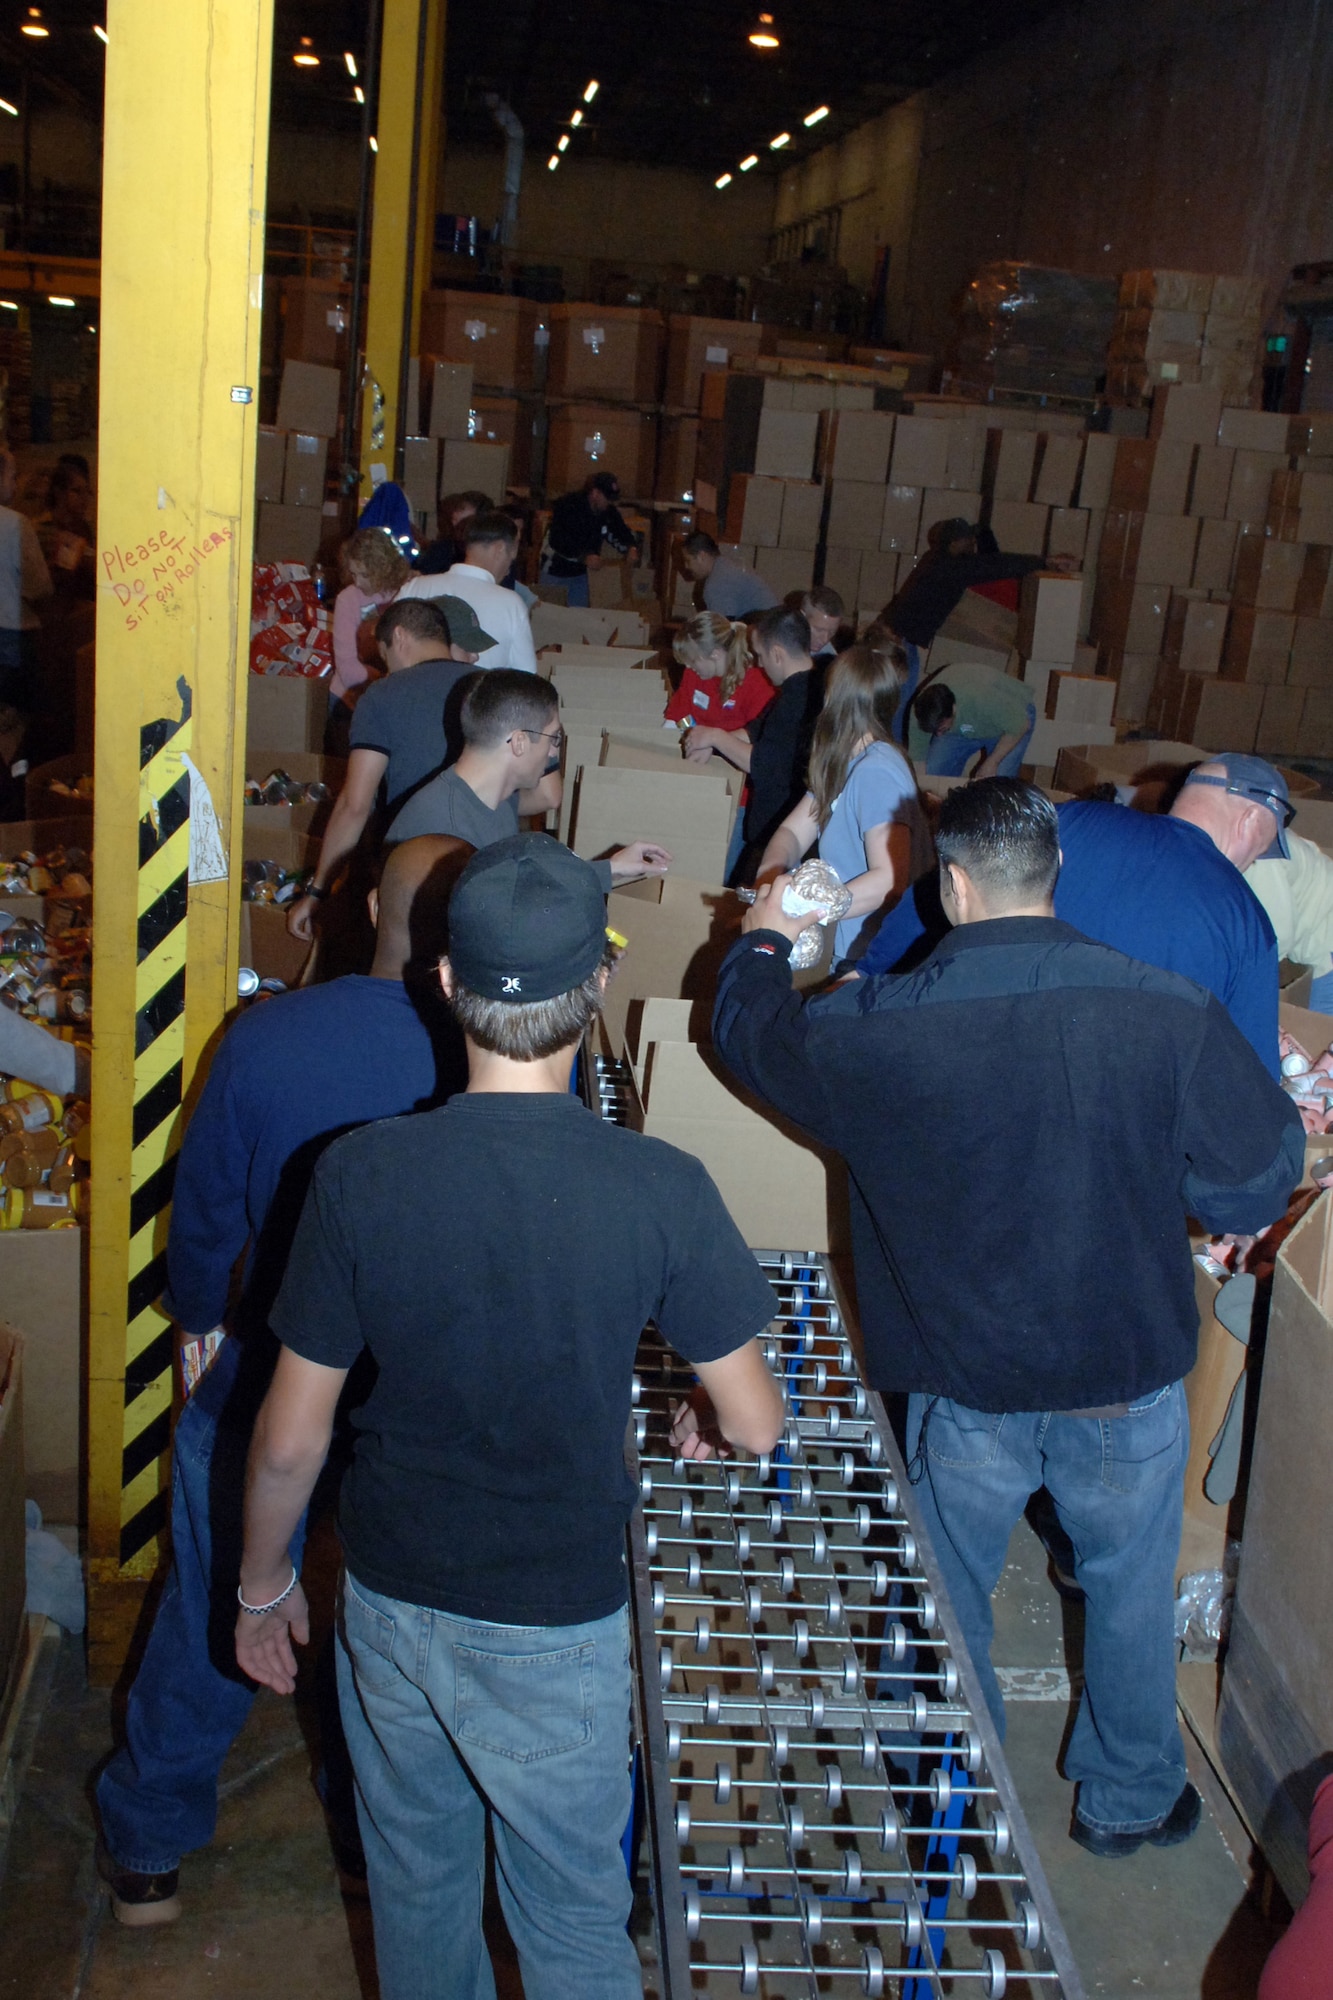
[{"x": 506, "y": 118}]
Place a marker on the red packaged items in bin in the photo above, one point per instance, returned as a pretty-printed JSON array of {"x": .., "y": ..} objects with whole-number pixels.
[
  {"x": 282, "y": 593},
  {"x": 292, "y": 649}
]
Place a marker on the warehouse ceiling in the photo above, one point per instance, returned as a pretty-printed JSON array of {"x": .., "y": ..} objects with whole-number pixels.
[{"x": 679, "y": 82}]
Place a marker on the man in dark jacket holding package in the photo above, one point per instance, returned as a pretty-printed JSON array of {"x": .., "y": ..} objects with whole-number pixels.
[
  {"x": 583, "y": 526},
  {"x": 1027, "y": 1120}
]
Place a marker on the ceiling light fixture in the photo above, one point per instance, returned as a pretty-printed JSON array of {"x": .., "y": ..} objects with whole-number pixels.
[
  {"x": 562, "y": 142},
  {"x": 763, "y": 36},
  {"x": 10, "y": 305},
  {"x": 350, "y": 60},
  {"x": 358, "y": 93},
  {"x": 783, "y": 139},
  {"x": 813, "y": 117},
  {"x": 576, "y": 118},
  {"x": 52, "y": 300},
  {"x": 99, "y": 31},
  {"x": 305, "y": 57},
  {"x": 12, "y": 109},
  {"x": 553, "y": 162},
  {"x": 722, "y": 181},
  {"x": 746, "y": 165},
  {"x": 374, "y": 143},
  {"x": 591, "y": 91}
]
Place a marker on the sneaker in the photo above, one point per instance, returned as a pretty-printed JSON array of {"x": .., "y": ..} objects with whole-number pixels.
[
  {"x": 137, "y": 1901},
  {"x": 1173, "y": 1828}
]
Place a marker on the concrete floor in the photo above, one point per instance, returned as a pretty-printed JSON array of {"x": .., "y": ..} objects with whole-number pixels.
[{"x": 262, "y": 1909}]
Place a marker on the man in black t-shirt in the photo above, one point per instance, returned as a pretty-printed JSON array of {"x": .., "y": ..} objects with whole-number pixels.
[
  {"x": 582, "y": 525},
  {"x": 400, "y": 729},
  {"x": 499, "y": 1259}
]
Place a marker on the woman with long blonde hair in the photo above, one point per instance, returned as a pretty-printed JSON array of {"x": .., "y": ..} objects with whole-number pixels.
[
  {"x": 721, "y": 687},
  {"x": 862, "y": 805}
]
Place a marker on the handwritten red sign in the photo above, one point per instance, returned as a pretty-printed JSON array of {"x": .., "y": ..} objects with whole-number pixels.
[{"x": 144, "y": 574}]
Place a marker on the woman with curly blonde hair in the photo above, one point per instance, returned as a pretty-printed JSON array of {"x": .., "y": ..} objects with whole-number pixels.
[{"x": 376, "y": 570}]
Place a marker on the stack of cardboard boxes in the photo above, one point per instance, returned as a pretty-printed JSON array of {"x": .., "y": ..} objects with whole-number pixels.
[
  {"x": 1186, "y": 326},
  {"x": 455, "y": 445},
  {"x": 603, "y": 393},
  {"x": 292, "y": 465}
]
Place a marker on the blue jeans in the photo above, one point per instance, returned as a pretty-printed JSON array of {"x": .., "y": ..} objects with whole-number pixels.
[
  {"x": 950, "y": 754},
  {"x": 448, "y": 1721},
  {"x": 574, "y": 587},
  {"x": 1117, "y": 1484},
  {"x": 158, "y": 1796},
  {"x": 898, "y": 727}
]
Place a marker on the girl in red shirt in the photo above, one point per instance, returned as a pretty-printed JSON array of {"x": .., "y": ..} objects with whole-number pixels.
[{"x": 721, "y": 687}]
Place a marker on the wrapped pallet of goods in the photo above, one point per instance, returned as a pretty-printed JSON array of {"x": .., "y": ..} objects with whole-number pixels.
[{"x": 1031, "y": 328}]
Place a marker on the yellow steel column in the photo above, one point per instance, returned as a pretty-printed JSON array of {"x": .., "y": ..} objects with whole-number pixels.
[
  {"x": 411, "y": 77},
  {"x": 184, "y": 177}
]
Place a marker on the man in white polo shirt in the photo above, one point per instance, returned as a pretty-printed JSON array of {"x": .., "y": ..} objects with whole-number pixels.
[{"x": 492, "y": 544}]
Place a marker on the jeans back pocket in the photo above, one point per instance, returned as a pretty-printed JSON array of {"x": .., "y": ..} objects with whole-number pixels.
[
  {"x": 525, "y": 1706},
  {"x": 369, "y": 1633}
]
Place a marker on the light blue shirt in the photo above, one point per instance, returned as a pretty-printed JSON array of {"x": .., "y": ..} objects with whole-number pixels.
[{"x": 879, "y": 791}]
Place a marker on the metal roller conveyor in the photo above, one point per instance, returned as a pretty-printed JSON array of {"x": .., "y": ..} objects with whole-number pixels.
[{"x": 828, "y": 1808}]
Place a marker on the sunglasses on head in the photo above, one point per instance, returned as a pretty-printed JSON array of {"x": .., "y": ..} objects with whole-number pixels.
[{"x": 1281, "y": 808}]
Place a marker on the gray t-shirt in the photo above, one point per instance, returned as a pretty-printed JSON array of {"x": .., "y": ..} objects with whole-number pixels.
[
  {"x": 449, "y": 805},
  {"x": 403, "y": 716},
  {"x": 735, "y": 591}
]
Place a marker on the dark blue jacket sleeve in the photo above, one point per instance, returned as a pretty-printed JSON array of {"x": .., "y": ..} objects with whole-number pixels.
[
  {"x": 210, "y": 1222},
  {"x": 1241, "y": 1135},
  {"x": 762, "y": 1029},
  {"x": 1252, "y": 999}
]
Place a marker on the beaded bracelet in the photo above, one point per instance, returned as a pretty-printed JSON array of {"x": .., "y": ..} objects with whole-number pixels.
[{"x": 262, "y": 1610}]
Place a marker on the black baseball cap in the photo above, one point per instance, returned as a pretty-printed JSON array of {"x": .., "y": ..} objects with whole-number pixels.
[
  {"x": 527, "y": 920},
  {"x": 941, "y": 533},
  {"x": 1254, "y": 778},
  {"x": 464, "y": 627},
  {"x": 606, "y": 482}
]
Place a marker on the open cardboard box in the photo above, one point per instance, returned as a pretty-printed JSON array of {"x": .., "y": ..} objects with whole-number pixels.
[
  {"x": 41, "y": 836},
  {"x": 553, "y": 658},
  {"x": 691, "y": 819},
  {"x": 308, "y": 768},
  {"x": 285, "y": 712},
  {"x": 42, "y": 1277},
  {"x": 1080, "y": 766},
  {"x": 573, "y": 625}
]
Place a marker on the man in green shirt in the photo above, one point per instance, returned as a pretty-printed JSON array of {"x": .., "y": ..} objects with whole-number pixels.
[{"x": 970, "y": 708}]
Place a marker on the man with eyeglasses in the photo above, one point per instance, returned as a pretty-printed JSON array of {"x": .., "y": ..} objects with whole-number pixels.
[
  {"x": 1169, "y": 890},
  {"x": 509, "y": 768}
]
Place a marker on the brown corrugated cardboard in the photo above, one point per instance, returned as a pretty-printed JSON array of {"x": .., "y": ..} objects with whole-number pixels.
[
  {"x": 776, "y": 1185},
  {"x": 1164, "y": 549},
  {"x": 785, "y": 447},
  {"x": 966, "y": 461},
  {"x": 450, "y": 398},
  {"x": 1129, "y": 617},
  {"x": 920, "y": 452},
  {"x": 314, "y": 319},
  {"x": 13, "y": 1526},
  {"x": 1258, "y": 646},
  {"x": 1311, "y": 664},
  {"x": 1011, "y": 459},
  {"x": 484, "y": 467},
  {"x": 41, "y": 1282},
  {"x": 900, "y": 522},
  {"x": 802, "y": 507},
  {"x": 306, "y": 472},
  {"x": 1241, "y": 296},
  {"x": 1315, "y": 736},
  {"x": 1314, "y": 599},
  {"x": 1123, "y": 764},
  {"x": 491, "y": 331},
  {"x": 605, "y": 351},
  {"x": 1195, "y": 631},
  {"x": 1186, "y": 410},
  {"x": 677, "y": 460},
  {"x": 1099, "y": 459},
  {"x": 880, "y": 572},
  {"x": 698, "y": 347},
  {"x": 754, "y": 510},
  {"x": 597, "y": 437},
  {"x": 1067, "y": 534},
  {"x": 1133, "y": 674},
  {"x": 1254, "y": 430},
  {"x": 266, "y": 944},
  {"x": 270, "y": 463},
  {"x": 287, "y": 534},
  {"x": 1210, "y": 488},
  {"x": 785, "y": 570},
  {"x": 308, "y": 399},
  {"x": 1280, "y": 721},
  {"x": 421, "y": 474},
  {"x": 1152, "y": 475},
  {"x": 817, "y": 396},
  {"x": 1268, "y": 573},
  {"x": 1080, "y": 699},
  {"x": 842, "y": 572},
  {"x": 1019, "y": 528},
  {"x": 857, "y": 445},
  {"x": 1251, "y": 483},
  {"x": 1049, "y": 614},
  {"x": 1057, "y": 470},
  {"x": 1168, "y": 291},
  {"x": 1215, "y": 555},
  {"x": 678, "y": 933},
  {"x": 285, "y": 712}
]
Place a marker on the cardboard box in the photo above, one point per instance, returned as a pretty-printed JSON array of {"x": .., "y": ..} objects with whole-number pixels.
[
  {"x": 1222, "y": 714},
  {"x": 1258, "y": 646},
  {"x": 677, "y": 460},
  {"x": 1124, "y": 764},
  {"x": 1130, "y": 617},
  {"x": 285, "y": 713},
  {"x": 1254, "y": 430},
  {"x": 945, "y": 503},
  {"x": 1315, "y": 736},
  {"x": 1242, "y": 296},
  {"x": 605, "y": 351},
  {"x": 900, "y": 520},
  {"x": 308, "y": 399},
  {"x": 1011, "y": 459},
  {"x": 1186, "y": 411},
  {"x": 698, "y": 347},
  {"x": 1210, "y": 488},
  {"x": 1314, "y": 598},
  {"x": 1280, "y": 721},
  {"x": 777, "y": 1185},
  {"x": 1133, "y": 674},
  {"x": 1311, "y": 663},
  {"x": 421, "y": 475},
  {"x": 1215, "y": 555},
  {"x": 785, "y": 570},
  {"x": 267, "y": 946},
  {"x": 597, "y": 437},
  {"x": 1150, "y": 548},
  {"x": 1275, "y": 1719},
  {"x": 1251, "y": 482},
  {"x": 489, "y": 331},
  {"x": 842, "y": 573},
  {"x": 1099, "y": 462},
  {"x": 1057, "y": 470},
  {"x": 287, "y": 534},
  {"x": 1081, "y": 700},
  {"x": 802, "y": 510},
  {"x": 481, "y": 467},
  {"x": 576, "y": 627},
  {"x": 13, "y": 1528},
  {"x": 678, "y": 933},
  {"x": 1050, "y": 609},
  {"x": 42, "y": 1274},
  {"x": 1067, "y": 533},
  {"x": 1167, "y": 291},
  {"x": 613, "y": 806},
  {"x": 857, "y": 445},
  {"x": 306, "y": 470},
  {"x": 1268, "y": 573},
  {"x": 965, "y": 463},
  {"x": 785, "y": 446},
  {"x": 1152, "y": 475},
  {"x": 1019, "y": 527},
  {"x": 880, "y": 572},
  {"x": 270, "y": 463},
  {"x": 754, "y": 510},
  {"x": 450, "y": 398},
  {"x": 920, "y": 452},
  {"x": 314, "y": 314},
  {"x": 1195, "y": 631}
]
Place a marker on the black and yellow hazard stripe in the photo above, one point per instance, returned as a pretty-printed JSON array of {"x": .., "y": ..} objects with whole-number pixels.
[{"x": 159, "y": 1064}]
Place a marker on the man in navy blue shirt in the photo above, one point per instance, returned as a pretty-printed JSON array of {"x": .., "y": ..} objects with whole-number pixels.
[
  {"x": 1168, "y": 890},
  {"x": 289, "y": 1076}
]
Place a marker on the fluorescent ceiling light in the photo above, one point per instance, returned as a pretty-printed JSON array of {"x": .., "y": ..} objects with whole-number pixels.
[
  {"x": 12, "y": 109},
  {"x": 374, "y": 143},
  {"x": 746, "y": 165},
  {"x": 763, "y": 37},
  {"x": 562, "y": 142},
  {"x": 591, "y": 91},
  {"x": 306, "y": 61},
  {"x": 723, "y": 180},
  {"x": 52, "y": 300},
  {"x": 350, "y": 60},
  {"x": 99, "y": 31},
  {"x": 358, "y": 93},
  {"x": 783, "y": 139},
  {"x": 814, "y": 117},
  {"x": 576, "y": 118},
  {"x": 10, "y": 305},
  {"x": 36, "y": 30},
  {"x": 553, "y": 162}
]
